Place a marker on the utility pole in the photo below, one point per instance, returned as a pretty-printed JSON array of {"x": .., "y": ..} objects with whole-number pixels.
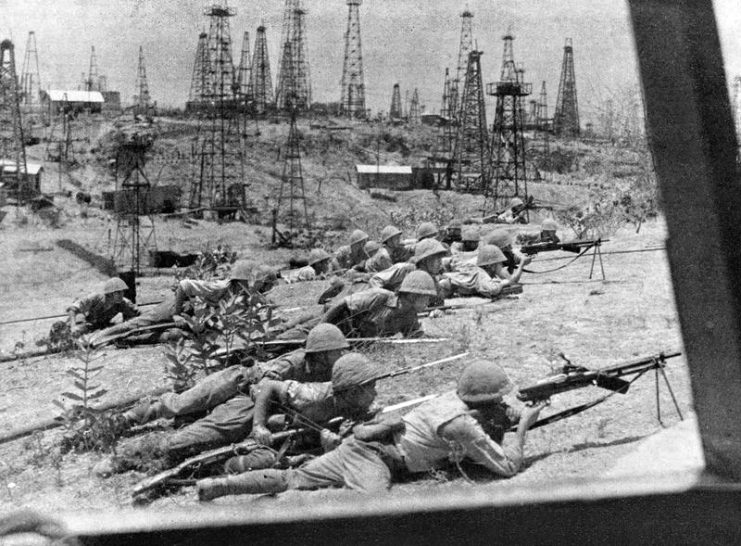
[
  {"x": 566, "y": 118},
  {"x": 471, "y": 150},
  {"x": 508, "y": 137},
  {"x": 352, "y": 96}
]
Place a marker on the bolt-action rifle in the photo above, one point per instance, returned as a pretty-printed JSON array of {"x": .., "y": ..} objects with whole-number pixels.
[
  {"x": 510, "y": 290},
  {"x": 573, "y": 377},
  {"x": 571, "y": 246}
]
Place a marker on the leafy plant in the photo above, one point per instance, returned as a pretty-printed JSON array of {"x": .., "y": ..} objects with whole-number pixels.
[{"x": 88, "y": 429}]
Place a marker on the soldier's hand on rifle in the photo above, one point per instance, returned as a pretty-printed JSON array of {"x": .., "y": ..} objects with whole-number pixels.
[
  {"x": 262, "y": 435},
  {"x": 329, "y": 439},
  {"x": 530, "y": 414},
  {"x": 526, "y": 259},
  {"x": 436, "y": 313}
]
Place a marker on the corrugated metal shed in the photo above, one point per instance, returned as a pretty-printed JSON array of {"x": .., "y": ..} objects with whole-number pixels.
[
  {"x": 8, "y": 166},
  {"x": 383, "y": 169}
]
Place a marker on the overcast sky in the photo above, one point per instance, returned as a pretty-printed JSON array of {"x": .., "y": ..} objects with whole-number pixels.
[{"x": 405, "y": 41}]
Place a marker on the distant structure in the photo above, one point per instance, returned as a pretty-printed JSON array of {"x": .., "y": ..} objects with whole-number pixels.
[
  {"x": 566, "y": 116},
  {"x": 293, "y": 68},
  {"x": 261, "y": 82},
  {"x": 508, "y": 137},
  {"x": 93, "y": 81},
  {"x": 395, "y": 112},
  {"x": 471, "y": 149},
  {"x": 12, "y": 145},
  {"x": 464, "y": 49},
  {"x": 244, "y": 73},
  {"x": 200, "y": 83},
  {"x": 352, "y": 96},
  {"x": 414, "y": 108},
  {"x": 445, "y": 102},
  {"x": 217, "y": 182},
  {"x": 142, "y": 100},
  {"x": 736, "y": 106},
  {"x": 540, "y": 125},
  {"x": 30, "y": 79}
]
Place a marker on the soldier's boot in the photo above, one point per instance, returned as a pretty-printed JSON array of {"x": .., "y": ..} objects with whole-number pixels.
[
  {"x": 254, "y": 483},
  {"x": 262, "y": 457},
  {"x": 142, "y": 413}
]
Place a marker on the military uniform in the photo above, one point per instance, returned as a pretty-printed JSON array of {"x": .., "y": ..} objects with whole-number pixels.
[
  {"x": 94, "y": 312},
  {"x": 469, "y": 280},
  {"x": 346, "y": 258},
  {"x": 371, "y": 313}
]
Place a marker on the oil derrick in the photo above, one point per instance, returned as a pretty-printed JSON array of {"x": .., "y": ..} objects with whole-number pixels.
[
  {"x": 141, "y": 98},
  {"x": 414, "y": 108},
  {"x": 92, "y": 82},
  {"x": 395, "y": 111},
  {"x": 352, "y": 96},
  {"x": 217, "y": 182},
  {"x": 540, "y": 125},
  {"x": 261, "y": 82},
  {"x": 135, "y": 233},
  {"x": 293, "y": 67},
  {"x": 30, "y": 81},
  {"x": 471, "y": 150},
  {"x": 508, "y": 139},
  {"x": 445, "y": 103},
  {"x": 291, "y": 206},
  {"x": 245, "y": 70},
  {"x": 566, "y": 117},
  {"x": 11, "y": 131},
  {"x": 200, "y": 83},
  {"x": 464, "y": 49}
]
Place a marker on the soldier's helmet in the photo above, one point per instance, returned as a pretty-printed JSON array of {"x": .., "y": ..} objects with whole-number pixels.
[
  {"x": 470, "y": 235},
  {"x": 263, "y": 274},
  {"x": 241, "y": 271},
  {"x": 516, "y": 202},
  {"x": 353, "y": 370},
  {"x": 358, "y": 236},
  {"x": 388, "y": 232},
  {"x": 371, "y": 247},
  {"x": 489, "y": 255},
  {"x": 483, "y": 381},
  {"x": 428, "y": 248},
  {"x": 418, "y": 282},
  {"x": 548, "y": 225},
  {"x": 318, "y": 255},
  {"x": 426, "y": 230},
  {"x": 325, "y": 337},
  {"x": 499, "y": 237},
  {"x": 113, "y": 285}
]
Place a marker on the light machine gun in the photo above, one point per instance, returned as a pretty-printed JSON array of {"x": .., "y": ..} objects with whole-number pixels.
[
  {"x": 574, "y": 377},
  {"x": 571, "y": 246}
]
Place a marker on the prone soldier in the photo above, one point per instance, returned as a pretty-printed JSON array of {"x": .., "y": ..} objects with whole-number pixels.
[{"x": 96, "y": 311}]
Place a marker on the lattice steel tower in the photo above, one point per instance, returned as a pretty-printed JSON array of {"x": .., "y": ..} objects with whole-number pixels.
[
  {"x": 566, "y": 117},
  {"x": 471, "y": 150},
  {"x": 261, "y": 82},
  {"x": 142, "y": 98},
  {"x": 508, "y": 138},
  {"x": 414, "y": 108},
  {"x": 244, "y": 74},
  {"x": 11, "y": 131},
  {"x": 352, "y": 95},
  {"x": 395, "y": 110},
  {"x": 293, "y": 68},
  {"x": 200, "y": 83},
  {"x": 291, "y": 207},
  {"x": 92, "y": 82},
  {"x": 218, "y": 160},
  {"x": 464, "y": 49},
  {"x": 30, "y": 80}
]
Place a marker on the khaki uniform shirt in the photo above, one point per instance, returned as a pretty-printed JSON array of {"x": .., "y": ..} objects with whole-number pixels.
[{"x": 99, "y": 313}]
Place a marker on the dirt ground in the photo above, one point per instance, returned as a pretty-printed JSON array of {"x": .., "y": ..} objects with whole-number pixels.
[{"x": 595, "y": 323}]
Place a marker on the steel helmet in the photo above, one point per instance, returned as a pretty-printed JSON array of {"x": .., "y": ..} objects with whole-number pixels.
[
  {"x": 483, "y": 381},
  {"x": 358, "y": 236},
  {"x": 489, "y": 255},
  {"x": 498, "y": 237},
  {"x": 549, "y": 225},
  {"x": 113, "y": 285},
  {"x": 352, "y": 370},
  {"x": 516, "y": 202},
  {"x": 263, "y": 274},
  {"x": 470, "y": 234},
  {"x": 428, "y": 248},
  {"x": 325, "y": 337},
  {"x": 318, "y": 255},
  {"x": 426, "y": 230},
  {"x": 418, "y": 282},
  {"x": 388, "y": 232},
  {"x": 371, "y": 247},
  {"x": 241, "y": 271}
]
